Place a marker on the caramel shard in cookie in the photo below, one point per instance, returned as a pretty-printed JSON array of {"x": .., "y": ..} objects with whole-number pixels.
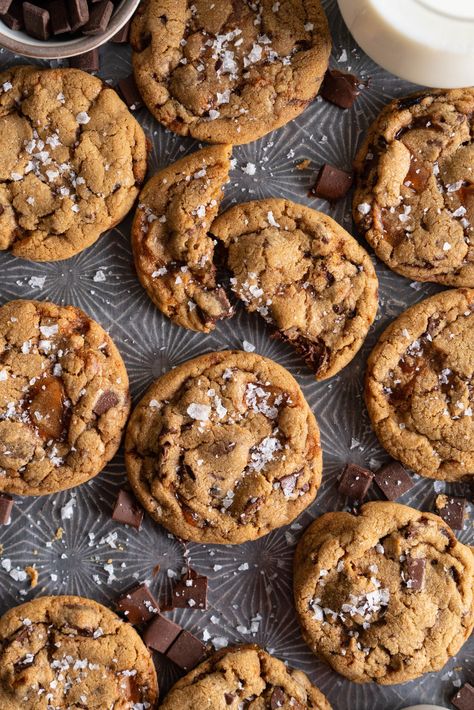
[
  {"x": 414, "y": 200},
  {"x": 384, "y": 596},
  {"x": 56, "y": 429},
  {"x": 210, "y": 446},
  {"x": 226, "y": 73},
  {"x": 77, "y": 649},
  {"x": 242, "y": 675},
  {"x": 174, "y": 254},
  {"x": 419, "y": 387},
  {"x": 305, "y": 275},
  {"x": 72, "y": 159}
]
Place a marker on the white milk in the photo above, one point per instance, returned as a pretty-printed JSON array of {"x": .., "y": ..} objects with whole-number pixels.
[{"x": 429, "y": 42}]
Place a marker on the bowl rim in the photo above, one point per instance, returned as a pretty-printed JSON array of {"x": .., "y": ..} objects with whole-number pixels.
[{"x": 38, "y": 49}]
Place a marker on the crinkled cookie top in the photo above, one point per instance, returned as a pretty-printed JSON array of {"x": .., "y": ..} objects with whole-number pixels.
[
  {"x": 72, "y": 158},
  {"x": 224, "y": 448},
  {"x": 229, "y": 71},
  {"x": 63, "y": 397},
  {"x": 414, "y": 200}
]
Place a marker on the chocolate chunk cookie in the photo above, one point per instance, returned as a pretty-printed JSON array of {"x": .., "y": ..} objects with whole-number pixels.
[
  {"x": 174, "y": 254},
  {"x": 414, "y": 200},
  {"x": 229, "y": 71},
  {"x": 72, "y": 158},
  {"x": 224, "y": 448},
  {"x": 305, "y": 275},
  {"x": 420, "y": 386},
  {"x": 384, "y": 596},
  {"x": 63, "y": 397},
  {"x": 70, "y": 652},
  {"x": 244, "y": 676}
]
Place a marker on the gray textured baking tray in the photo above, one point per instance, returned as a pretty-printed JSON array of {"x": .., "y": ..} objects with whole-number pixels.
[{"x": 251, "y": 581}]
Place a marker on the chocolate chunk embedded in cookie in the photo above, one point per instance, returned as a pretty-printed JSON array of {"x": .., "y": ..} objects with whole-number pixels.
[
  {"x": 305, "y": 275},
  {"x": 420, "y": 387},
  {"x": 229, "y": 72},
  {"x": 71, "y": 652},
  {"x": 235, "y": 677},
  {"x": 174, "y": 254},
  {"x": 384, "y": 596},
  {"x": 63, "y": 397},
  {"x": 72, "y": 159},
  {"x": 414, "y": 200},
  {"x": 224, "y": 448}
]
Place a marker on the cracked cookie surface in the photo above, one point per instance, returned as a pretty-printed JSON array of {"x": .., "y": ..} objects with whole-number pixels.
[
  {"x": 72, "y": 159},
  {"x": 71, "y": 652},
  {"x": 305, "y": 275},
  {"x": 174, "y": 254},
  {"x": 244, "y": 676},
  {"x": 224, "y": 448},
  {"x": 384, "y": 596},
  {"x": 414, "y": 200},
  {"x": 64, "y": 397},
  {"x": 420, "y": 386},
  {"x": 229, "y": 71}
]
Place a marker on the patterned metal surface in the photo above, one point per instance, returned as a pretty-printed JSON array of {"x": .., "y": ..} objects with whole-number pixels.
[{"x": 251, "y": 581}]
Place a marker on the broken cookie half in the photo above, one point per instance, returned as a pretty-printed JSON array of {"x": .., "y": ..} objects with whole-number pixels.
[
  {"x": 305, "y": 275},
  {"x": 174, "y": 254}
]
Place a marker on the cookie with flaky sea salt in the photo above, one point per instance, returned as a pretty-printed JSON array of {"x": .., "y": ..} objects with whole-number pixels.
[
  {"x": 244, "y": 676},
  {"x": 227, "y": 72},
  {"x": 420, "y": 386},
  {"x": 414, "y": 200},
  {"x": 70, "y": 652},
  {"x": 386, "y": 595},
  {"x": 174, "y": 254},
  {"x": 224, "y": 448},
  {"x": 64, "y": 397},
  {"x": 72, "y": 159},
  {"x": 305, "y": 275}
]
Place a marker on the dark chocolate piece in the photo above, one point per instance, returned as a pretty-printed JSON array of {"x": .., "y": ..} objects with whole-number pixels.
[
  {"x": 138, "y": 605},
  {"x": 14, "y": 18},
  {"x": 415, "y": 567},
  {"x": 278, "y": 699},
  {"x": 190, "y": 592},
  {"x": 229, "y": 698},
  {"x": 99, "y": 18},
  {"x": 127, "y": 510},
  {"x": 452, "y": 511},
  {"x": 89, "y": 61},
  {"x": 464, "y": 698},
  {"x": 36, "y": 21},
  {"x": 393, "y": 480},
  {"x": 355, "y": 481},
  {"x": 332, "y": 183},
  {"x": 78, "y": 13},
  {"x": 187, "y": 651},
  {"x": 106, "y": 401},
  {"x": 59, "y": 17},
  {"x": 130, "y": 94},
  {"x": 339, "y": 88},
  {"x": 122, "y": 35},
  {"x": 6, "y": 505},
  {"x": 161, "y": 633},
  {"x": 4, "y": 6}
]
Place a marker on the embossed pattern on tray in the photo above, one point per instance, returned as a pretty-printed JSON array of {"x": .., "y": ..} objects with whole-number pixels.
[{"x": 151, "y": 345}]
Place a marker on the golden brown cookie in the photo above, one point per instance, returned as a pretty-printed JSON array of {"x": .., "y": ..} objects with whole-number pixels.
[
  {"x": 384, "y": 596},
  {"x": 224, "y": 448},
  {"x": 174, "y": 255},
  {"x": 64, "y": 397},
  {"x": 414, "y": 200},
  {"x": 305, "y": 275},
  {"x": 420, "y": 386},
  {"x": 70, "y": 652},
  {"x": 234, "y": 677},
  {"x": 72, "y": 159},
  {"x": 229, "y": 71}
]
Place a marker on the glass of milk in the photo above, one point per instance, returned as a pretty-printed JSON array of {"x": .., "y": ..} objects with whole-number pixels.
[{"x": 429, "y": 42}]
